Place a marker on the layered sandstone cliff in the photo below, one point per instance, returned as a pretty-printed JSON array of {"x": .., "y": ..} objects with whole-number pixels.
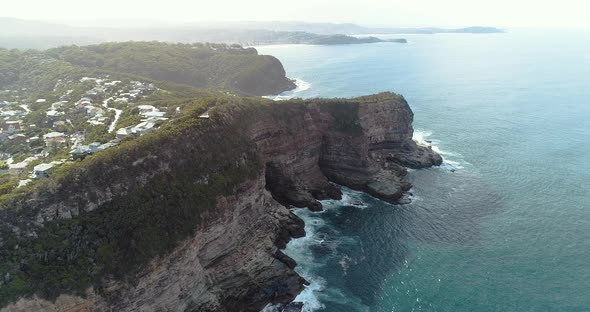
[{"x": 193, "y": 218}]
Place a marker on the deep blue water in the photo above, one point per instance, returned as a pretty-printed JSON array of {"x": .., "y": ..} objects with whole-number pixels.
[{"x": 509, "y": 229}]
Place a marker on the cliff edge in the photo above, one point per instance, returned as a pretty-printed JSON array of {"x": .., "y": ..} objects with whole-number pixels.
[{"x": 193, "y": 217}]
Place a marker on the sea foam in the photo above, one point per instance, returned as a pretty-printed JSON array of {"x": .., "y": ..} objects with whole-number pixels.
[
  {"x": 300, "y": 248},
  {"x": 451, "y": 161},
  {"x": 301, "y": 85}
]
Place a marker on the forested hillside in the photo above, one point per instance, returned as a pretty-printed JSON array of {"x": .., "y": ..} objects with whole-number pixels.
[
  {"x": 64, "y": 104},
  {"x": 218, "y": 66}
]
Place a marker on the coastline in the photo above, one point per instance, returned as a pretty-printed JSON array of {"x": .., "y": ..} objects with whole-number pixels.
[
  {"x": 301, "y": 85},
  {"x": 300, "y": 249},
  {"x": 287, "y": 154}
]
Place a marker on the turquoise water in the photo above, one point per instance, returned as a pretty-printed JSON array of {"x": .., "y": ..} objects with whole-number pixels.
[{"x": 509, "y": 228}]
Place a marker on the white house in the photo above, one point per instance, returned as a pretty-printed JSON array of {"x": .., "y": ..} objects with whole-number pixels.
[
  {"x": 143, "y": 128},
  {"x": 42, "y": 170},
  {"x": 53, "y": 114},
  {"x": 12, "y": 126},
  {"x": 54, "y": 139},
  {"x": 144, "y": 109},
  {"x": 124, "y": 132},
  {"x": 94, "y": 111}
]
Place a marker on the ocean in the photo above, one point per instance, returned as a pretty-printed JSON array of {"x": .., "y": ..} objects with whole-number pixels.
[{"x": 504, "y": 224}]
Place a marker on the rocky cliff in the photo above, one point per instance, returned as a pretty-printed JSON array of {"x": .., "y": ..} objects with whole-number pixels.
[{"x": 193, "y": 217}]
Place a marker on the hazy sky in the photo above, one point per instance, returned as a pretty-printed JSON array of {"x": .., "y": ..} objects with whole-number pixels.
[{"x": 502, "y": 13}]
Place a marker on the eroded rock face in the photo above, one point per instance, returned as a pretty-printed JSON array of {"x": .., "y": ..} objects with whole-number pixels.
[
  {"x": 230, "y": 266},
  {"x": 232, "y": 261},
  {"x": 309, "y": 149}
]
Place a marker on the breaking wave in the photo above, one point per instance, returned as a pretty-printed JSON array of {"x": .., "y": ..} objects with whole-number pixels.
[
  {"x": 451, "y": 161},
  {"x": 301, "y": 86}
]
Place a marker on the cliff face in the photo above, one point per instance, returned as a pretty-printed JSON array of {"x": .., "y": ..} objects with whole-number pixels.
[
  {"x": 365, "y": 143},
  {"x": 191, "y": 219}
]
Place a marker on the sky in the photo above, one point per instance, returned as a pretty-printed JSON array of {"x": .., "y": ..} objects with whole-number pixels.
[{"x": 500, "y": 13}]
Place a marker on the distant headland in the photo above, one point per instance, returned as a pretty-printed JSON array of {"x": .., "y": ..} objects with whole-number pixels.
[{"x": 29, "y": 34}]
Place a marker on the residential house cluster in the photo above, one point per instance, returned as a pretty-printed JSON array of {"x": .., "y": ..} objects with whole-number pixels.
[
  {"x": 11, "y": 123},
  {"x": 53, "y": 133},
  {"x": 82, "y": 151},
  {"x": 150, "y": 115}
]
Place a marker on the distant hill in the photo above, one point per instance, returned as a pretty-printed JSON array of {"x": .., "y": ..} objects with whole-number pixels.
[
  {"x": 347, "y": 28},
  {"x": 16, "y": 33},
  {"x": 207, "y": 66},
  {"x": 344, "y": 39}
]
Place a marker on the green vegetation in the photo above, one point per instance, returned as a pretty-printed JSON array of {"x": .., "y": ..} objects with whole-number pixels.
[
  {"x": 205, "y": 159},
  {"x": 121, "y": 236},
  {"x": 98, "y": 133},
  {"x": 129, "y": 117},
  {"x": 7, "y": 184},
  {"x": 343, "y": 39},
  {"x": 217, "y": 66},
  {"x": 115, "y": 239},
  {"x": 345, "y": 116},
  {"x": 34, "y": 69}
]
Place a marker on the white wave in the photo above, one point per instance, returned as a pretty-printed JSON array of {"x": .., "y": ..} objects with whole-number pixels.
[
  {"x": 307, "y": 264},
  {"x": 301, "y": 85},
  {"x": 413, "y": 197},
  {"x": 309, "y": 295},
  {"x": 299, "y": 249},
  {"x": 352, "y": 198},
  {"x": 451, "y": 161},
  {"x": 421, "y": 137}
]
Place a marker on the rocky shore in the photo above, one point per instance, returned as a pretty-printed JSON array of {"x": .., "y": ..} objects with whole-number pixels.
[{"x": 266, "y": 157}]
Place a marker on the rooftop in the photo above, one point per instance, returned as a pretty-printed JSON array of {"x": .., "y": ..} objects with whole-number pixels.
[{"x": 43, "y": 167}]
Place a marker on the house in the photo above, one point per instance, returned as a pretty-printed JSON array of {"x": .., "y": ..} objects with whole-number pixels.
[
  {"x": 11, "y": 126},
  {"x": 106, "y": 145},
  {"x": 32, "y": 139},
  {"x": 140, "y": 129},
  {"x": 18, "y": 138},
  {"x": 41, "y": 101},
  {"x": 42, "y": 170},
  {"x": 154, "y": 119},
  {"x": 124, "y": 132},
  {"x": 84, "y": 150},
  {"x": 204, "y": 115},
  {"x": 54, "y": 139},
  {"x": 96, "y": 93},
  {"x": 144, "y": 109},
  {"x": 94, "y": 146},
  {"x": 98, "y": 119},
  {"x": 57, "y": 105},
  {"x": 94, "y": 111},
  {"x": 157, "y": 114},
  {"x": 112, "y": 83},
  {"x": 12, "y": 113},
  {"x": 143, "y": 128},
  {"x": 53, "y": 114}
]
